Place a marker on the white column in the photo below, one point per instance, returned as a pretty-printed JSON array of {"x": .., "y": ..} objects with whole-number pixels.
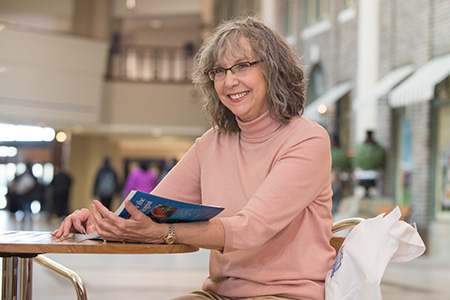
[
  {"x": 367, "y": 65},
  {"x": 269, "y": 12}
]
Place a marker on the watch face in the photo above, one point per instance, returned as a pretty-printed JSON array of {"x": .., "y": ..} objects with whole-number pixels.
[{"x": 169, "y": 239}]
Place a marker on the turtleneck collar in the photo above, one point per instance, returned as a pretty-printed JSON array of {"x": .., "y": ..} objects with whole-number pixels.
[{"x": 260, "y": 129}]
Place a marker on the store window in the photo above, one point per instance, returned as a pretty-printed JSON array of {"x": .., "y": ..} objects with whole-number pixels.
[
  {"x": 442, "y": 152},
  {"x": 404, "y": 159},
  {"x": 342, "y": 121},
  {"x": 316, "y": 84},
  {"x": 443, "y": 163},
  {"x": 342, "y": 132},
  {"x": 290, "y": 18},
  {"x": 348, "y": 4},
  {"x": 316, "y": 11}
]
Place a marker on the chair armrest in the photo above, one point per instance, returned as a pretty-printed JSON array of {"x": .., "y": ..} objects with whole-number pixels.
[
  {"x": 337, "y": 241},
  {"x": 64, "y": 272},
  {"x": 346, "y": 223}
]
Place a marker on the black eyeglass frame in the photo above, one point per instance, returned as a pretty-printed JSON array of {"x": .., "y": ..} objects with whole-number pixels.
[{"x": 212, "y": 73}]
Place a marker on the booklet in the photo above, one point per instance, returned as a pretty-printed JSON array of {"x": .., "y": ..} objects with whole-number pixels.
[{"x": 164, "y": 210}]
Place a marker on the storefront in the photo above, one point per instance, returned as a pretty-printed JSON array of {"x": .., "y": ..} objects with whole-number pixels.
[
  {"x": 422, "y": 154},
  {"x": 441, "y": 157}
]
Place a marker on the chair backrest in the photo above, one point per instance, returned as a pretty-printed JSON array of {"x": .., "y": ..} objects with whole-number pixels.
[{"x": 337, "y": 241}]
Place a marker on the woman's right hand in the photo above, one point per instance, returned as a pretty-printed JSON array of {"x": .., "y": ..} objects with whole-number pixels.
[{"x": 80, "y": 221}]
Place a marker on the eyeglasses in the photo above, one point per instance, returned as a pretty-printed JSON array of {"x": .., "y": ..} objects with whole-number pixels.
[{"x": 239, "y": 69}]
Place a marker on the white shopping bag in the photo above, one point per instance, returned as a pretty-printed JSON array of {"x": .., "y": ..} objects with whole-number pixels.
[{"x": 365, "y": 254}]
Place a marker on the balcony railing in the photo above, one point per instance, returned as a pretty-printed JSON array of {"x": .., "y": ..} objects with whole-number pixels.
[{"x": 151, "y": 64}]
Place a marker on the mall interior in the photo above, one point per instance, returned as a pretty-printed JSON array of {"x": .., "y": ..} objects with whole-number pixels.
[{"x": 84, "y": 81}]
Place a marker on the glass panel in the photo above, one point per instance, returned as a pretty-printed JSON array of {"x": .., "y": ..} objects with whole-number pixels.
[
  {"x": 316, "y": 86},
  {"x": 348, "y": 4},
  {"x": 343, "y": 124},
  {"x": 317, "y": 10},
  {"x": 323, "y": 9},
  {"x": 311, "y": 12},
  {"x": 290, "y": 15},
  {"x": 406, "y": 162},
  {"x": 443, "y": 160}
]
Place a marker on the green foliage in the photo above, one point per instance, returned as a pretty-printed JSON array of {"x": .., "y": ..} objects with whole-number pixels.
[
  {"x": 369, "y": 156},
  {"x": 341, "y": 161}
]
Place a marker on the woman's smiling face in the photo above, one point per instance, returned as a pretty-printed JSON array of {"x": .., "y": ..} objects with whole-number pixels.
[{"x": 244, "y": 94}]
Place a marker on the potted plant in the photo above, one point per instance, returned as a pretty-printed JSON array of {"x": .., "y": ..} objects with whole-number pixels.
[
  {"x": 369, "y": 157},
  {"x": 340, "y": 159}
]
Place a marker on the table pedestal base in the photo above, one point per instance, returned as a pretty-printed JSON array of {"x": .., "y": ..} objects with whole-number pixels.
[{"x": 17, "y": 277}]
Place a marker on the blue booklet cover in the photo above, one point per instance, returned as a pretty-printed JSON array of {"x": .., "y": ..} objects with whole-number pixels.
[{"x": 163, "y": 210}]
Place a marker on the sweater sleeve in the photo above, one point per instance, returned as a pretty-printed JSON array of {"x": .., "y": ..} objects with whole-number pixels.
[
  {"x": 297, "y": 183},
  {"x": 182, "y": 183}
]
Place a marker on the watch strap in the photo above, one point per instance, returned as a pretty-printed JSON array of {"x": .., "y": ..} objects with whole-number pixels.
[{"x": 170, "y": 238}]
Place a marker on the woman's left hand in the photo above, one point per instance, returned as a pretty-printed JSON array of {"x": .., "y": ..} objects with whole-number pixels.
[{"x": 138, "y": 228}]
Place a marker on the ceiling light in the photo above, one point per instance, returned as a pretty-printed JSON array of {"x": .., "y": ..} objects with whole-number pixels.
[
  {"x": 8, "y": 151},
  {"x": 25, "y": 133},
  {"x": 131, "y": 4},
  {"x": 61, "y": 136},
  {"x": 322, "y": 108}
]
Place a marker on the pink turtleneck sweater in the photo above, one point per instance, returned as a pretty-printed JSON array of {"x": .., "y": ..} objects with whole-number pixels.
[{"x": 274, "y": 182}]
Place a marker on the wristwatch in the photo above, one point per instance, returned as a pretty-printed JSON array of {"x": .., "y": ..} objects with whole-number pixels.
[{"x": 170, "y": 238}]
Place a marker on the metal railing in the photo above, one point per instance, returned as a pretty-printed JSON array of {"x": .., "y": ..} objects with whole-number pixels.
[{"x": 150, "y": 64}]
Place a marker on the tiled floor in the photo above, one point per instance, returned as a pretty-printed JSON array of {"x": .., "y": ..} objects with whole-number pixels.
[{"x": 161, "y": 277}]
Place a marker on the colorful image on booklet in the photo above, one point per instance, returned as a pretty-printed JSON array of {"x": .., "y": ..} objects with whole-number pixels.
[{"x": 163, "y": 211}]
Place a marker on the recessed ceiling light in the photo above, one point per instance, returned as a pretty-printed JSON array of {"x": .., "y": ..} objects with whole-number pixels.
[{"x": 131, "y": 4}]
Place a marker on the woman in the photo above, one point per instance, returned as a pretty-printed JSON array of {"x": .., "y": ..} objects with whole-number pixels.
[{"x": 266, "y": 164}]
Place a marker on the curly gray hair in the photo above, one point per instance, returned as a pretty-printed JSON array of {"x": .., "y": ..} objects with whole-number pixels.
[{"x": 280, "y": 65}]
